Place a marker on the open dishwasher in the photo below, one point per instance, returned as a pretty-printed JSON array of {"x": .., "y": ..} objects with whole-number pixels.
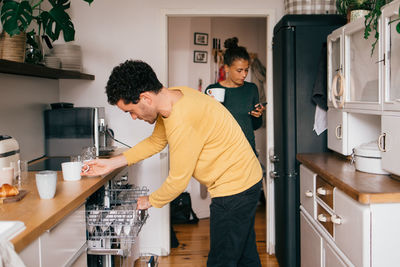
[{"x": 113, "y": 223}]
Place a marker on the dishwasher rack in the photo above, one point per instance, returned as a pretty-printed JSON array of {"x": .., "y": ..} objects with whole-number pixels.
[{"x": 113, "y": 227}]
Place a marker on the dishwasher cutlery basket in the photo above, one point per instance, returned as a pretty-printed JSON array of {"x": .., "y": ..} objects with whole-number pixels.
[{"x": 113, "y": 228}]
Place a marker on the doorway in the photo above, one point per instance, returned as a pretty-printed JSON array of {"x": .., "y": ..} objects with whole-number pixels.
[{"x": 182, "y": 70}]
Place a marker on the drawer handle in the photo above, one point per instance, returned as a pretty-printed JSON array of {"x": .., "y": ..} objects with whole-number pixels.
[
  {"x": 322, "y": 218},
  {"x": 336, "y": 219},
  {"x": 382, "y": 142},
  {"x": 322, "y": 191},
  {"x": 338, "y": 132},
  {"x": 309, "y": 194}
]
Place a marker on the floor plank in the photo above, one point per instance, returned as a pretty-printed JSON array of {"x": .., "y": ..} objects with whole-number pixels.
[{"x": 194, "y": 244}]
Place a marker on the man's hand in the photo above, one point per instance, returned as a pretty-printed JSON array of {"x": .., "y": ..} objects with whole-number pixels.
[
  {"x": 143, "y": 203},
  {"x": 100, "y": 167}
]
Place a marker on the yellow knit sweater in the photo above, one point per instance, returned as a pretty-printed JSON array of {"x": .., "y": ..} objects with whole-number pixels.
[{"x": 205, "y": 142}]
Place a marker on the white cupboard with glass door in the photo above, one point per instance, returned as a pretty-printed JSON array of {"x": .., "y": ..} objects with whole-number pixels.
[
  {"x": 391, "y": 47},
  {"x": 335, "y": 68}
]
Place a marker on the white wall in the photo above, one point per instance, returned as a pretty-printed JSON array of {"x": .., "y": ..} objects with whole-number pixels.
[{"x": 22, "y": 102}]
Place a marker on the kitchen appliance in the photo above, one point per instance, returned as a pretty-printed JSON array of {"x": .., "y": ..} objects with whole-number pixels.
[
  {"x": 367, "y": 158},
  {"x": 9, "y": 151},
  {"x": 68, "y": 130},
  {"x": 297, "y": 44}
]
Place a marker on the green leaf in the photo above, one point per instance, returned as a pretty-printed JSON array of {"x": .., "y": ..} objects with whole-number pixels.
[
  {"x": 15, "y": 16},
  {"x": 398, "y": 27},
  {"x": 88, "y": 1},
  {"x": 57, "y": 20}
]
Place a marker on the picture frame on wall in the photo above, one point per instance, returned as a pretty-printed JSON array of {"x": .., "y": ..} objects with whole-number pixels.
[
  {"x": 200, "y": 56},
  {"x": 200, "y": 38}
]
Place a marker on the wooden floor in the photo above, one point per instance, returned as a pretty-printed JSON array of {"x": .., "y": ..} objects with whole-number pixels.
[{"x": 195, "y": 243}]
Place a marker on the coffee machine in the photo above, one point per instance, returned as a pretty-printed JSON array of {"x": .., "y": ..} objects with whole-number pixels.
[{"x": 68, "y": 130}]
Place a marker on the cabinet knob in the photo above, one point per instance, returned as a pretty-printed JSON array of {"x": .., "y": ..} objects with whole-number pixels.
[
  {"x": 273, "y": 158},
  {"x": 336, "y": 219},
  {"x": 322, "y": 218},
  {"x": 309, "y": 193},
  {"x": 322, "y": 191}
]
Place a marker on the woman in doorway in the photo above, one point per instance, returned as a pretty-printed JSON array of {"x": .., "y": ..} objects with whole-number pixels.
[{"x": 241, "y": 97}]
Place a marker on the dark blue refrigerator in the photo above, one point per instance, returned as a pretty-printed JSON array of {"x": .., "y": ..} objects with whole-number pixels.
[{"x": 298, "y": 44}]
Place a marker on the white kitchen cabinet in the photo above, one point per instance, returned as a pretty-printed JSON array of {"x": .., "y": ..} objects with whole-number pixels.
[
  {"x": 335, "y": 61},
  {"x": 331, "y": 258},
  {"x": 62, "y": 245},
  {"x": 311, "y": 244},
  {"x": 362, "y": 70},
  {"x": 391, "y": 49},
  {"x": 348, "y": 130},
  {"x": 307, "y": 189},
  {"x": 389, "y": 143},
  {"x": 362, "y": 234},
  {"x": 352, "y": 220}
]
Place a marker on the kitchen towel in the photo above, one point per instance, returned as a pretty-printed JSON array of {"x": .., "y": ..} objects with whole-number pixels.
[
  {"x": 320, "y": 120},
  {"x": 8, "y": 256}
]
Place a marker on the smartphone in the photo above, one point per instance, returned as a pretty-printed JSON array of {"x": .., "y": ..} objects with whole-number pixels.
[{"x": 259, "y": 105}]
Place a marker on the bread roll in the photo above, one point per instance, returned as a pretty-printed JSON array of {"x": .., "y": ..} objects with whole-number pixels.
[{"x": 7, "y": 190}]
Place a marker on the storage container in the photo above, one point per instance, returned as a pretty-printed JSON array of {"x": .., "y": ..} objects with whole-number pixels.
[{"x": 368, "y": 158}]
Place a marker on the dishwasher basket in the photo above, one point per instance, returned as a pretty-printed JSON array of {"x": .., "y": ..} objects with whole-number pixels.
[{"x": 112, "y": 230}]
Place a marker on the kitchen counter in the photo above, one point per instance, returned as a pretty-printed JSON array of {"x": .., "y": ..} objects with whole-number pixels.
[
  {"x": 365, "y": 188},
  {"x": 40, "y": 215}
]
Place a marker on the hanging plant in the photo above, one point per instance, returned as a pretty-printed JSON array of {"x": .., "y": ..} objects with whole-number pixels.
[{"x": 372, "y": 21}]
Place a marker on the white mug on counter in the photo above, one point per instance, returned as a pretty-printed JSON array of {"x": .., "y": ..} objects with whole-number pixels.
[
  {"x": 46, "y": 183},
  {"x": 217, "y": 93},
  {"x": 71, "y": 170}
]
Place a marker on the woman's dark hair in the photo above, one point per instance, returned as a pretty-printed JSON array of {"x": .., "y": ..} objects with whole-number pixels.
[
  {"x": 129, "y": 79},
  {"x": 234, "y": 52}
]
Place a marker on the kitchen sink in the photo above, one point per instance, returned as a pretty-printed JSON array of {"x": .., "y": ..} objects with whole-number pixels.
[{"x": 9, "y": 229}]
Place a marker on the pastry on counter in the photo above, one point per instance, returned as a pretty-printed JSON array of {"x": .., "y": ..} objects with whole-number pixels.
[{"x": 7, "y": 190}]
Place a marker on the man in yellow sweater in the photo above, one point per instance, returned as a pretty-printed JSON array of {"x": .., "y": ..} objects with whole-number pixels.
[{"x": 205, "y": 142}]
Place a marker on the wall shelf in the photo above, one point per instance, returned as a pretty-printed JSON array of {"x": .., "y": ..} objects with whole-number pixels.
[{"x": 17, "y": 68}]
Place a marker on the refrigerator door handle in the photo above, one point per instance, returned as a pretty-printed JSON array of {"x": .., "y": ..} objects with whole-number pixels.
[
  {"x": 274, "y": 158},
  {"x": 273, "y": 174}
]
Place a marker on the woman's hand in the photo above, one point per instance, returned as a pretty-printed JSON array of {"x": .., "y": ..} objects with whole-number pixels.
[
  {"x": 143, "y": 203},
  {"x": 100, "y": 167},
  {"x": 257, "y": 111}
]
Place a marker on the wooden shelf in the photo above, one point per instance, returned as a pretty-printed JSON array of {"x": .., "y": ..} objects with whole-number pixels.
[{"x": 17, "y": 68}]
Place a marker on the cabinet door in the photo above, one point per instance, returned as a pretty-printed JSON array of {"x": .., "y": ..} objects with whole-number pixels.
[
  {"x": 352, "y": 233},
  {"x": 391, "y": 41},
  {"x": 63, "y": 241},
  {"x": 390, "y": 144},
  {"x": 337, "y": 131},
  {"x": 361, "y": 69},
  {"x": 311, "y": 244},
  {"x": 335, "y": 59},
  {"x": 331, "y": 258},
  {"x": 307, "y": 190}
]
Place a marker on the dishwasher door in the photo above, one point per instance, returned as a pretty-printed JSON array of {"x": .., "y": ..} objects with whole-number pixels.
[{"x": 113, "y": 223}]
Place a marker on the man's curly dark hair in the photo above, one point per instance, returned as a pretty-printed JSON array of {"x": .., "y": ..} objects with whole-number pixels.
[{"x": 129, "y": 79}]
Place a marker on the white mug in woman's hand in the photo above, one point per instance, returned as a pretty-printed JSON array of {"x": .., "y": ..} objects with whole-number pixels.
[{"x": 217, "y": 93}]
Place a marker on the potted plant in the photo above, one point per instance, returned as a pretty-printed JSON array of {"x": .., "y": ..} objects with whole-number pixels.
[
  {"x": 17, "y": 16},
  {"x": 371, "y": 18}
]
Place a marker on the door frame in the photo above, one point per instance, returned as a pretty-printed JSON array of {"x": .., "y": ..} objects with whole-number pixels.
[{"x": 269, "y": 15}]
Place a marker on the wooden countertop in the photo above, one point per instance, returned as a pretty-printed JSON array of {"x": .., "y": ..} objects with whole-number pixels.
[
  {"x": 364, "y": 187},
  {"x": 40, "y": 215}
]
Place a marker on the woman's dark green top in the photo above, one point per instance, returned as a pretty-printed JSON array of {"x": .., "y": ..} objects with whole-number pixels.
[{"x": 240, "y": 101}]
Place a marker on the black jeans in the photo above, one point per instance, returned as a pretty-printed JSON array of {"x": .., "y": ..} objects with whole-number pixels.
[{"x": 232, "y": 235}]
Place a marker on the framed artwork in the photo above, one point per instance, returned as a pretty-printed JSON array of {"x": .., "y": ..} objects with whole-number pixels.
[
  {"x": 200, "y": 38},
  {"x": 200, "y": 57}
]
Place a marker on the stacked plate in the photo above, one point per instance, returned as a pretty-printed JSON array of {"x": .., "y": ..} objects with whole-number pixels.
[
  {"x": 52, "y": 62},
  {"x": 70, "y": 56}
]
